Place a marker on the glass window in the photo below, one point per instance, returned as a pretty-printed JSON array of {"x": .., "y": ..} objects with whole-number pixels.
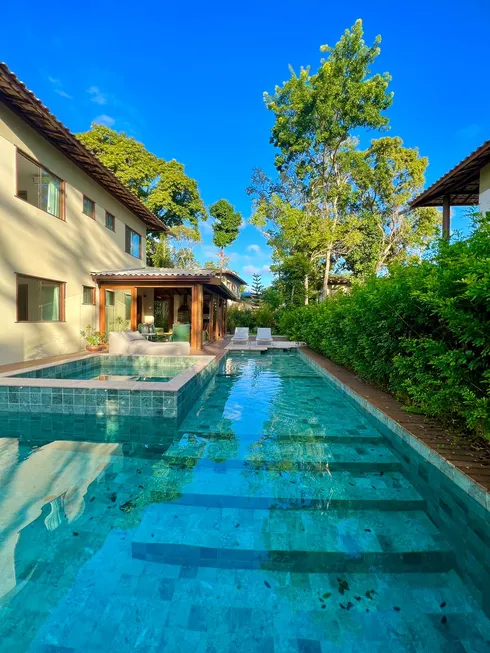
[
  {"x": 39, "y": 300},
  {"x": 88, "y": 207},
  {"x": 109, "y": 298},
  {"x": 39, "y": 187},
  {"x": 133, "y": 243},
  {"x": 110, "y": 221},
  {"x": 127, "y": 299},
  {"x": 88, "y": 295}
]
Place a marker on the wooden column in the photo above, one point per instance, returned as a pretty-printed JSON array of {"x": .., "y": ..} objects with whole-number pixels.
[
  {"x": 211, "y": 318},
  {"x": 134, "y": 307},
  {"x": 216, "y": 325},
  {"x": 171, "y": 313},
  {"x": 225, "y": 318},
  {"x": 102, "y": 308},
  {"x": 196, "y": 316},
  {"x": 446, "y": 216}
]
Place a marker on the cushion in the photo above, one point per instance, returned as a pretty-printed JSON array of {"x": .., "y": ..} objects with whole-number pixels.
[{"x": 133, "y": 335}]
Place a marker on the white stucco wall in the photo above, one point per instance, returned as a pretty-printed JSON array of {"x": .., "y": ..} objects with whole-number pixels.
[
  {"x": 485, "y": 189},
  {"x": 32, "y": 242}
]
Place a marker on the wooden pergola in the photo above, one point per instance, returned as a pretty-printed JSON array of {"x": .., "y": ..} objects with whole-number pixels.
[
  {"x": 208, "y": 288},
  {"x": 459, "y": 187}
]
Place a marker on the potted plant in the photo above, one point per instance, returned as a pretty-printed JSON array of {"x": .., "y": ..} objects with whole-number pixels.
[{"x": 96, "y": 340}]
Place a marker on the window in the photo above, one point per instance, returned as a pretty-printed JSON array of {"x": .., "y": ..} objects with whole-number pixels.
[
  {"x": 110, "y": 221},
  {"x": 88, "y": 207},
  {"x": 39, "y": 187},
  {"x": 109, "y": 298},
  {"x": 40, "y": 300},
  {"x": 88, "y": 295},
  {"x": 133, "y": 243}
]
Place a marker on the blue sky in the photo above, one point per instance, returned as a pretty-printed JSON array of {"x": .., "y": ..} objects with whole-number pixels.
[{"x": 187, "y": 79}]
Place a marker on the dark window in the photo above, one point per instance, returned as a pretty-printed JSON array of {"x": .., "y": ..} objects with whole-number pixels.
[
  {"x": 39, "y": 187},
  {"x": 88, "y": 207},
  {"x": 39, "y": 300},
  {"x": 109, "y": 298},
  {"x": 133, "y": 243},
  {"x": 110, "y": 221},
  {"x": 88, "y": 295},
  {"x": 127, "y": 302}
]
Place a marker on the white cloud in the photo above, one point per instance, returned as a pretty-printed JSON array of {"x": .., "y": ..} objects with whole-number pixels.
[
  {"x": 206, "y": 227},
  {"x": 105, "y": 120},
  {"x": 243, "y": 225},
  {"x": 58, "y": 87},
  {"x": 253, "y": 269},
  {"x": 255, "y": 249},
  {"x": 97, "y": 96},
  {"x": 63, "y": 93}
]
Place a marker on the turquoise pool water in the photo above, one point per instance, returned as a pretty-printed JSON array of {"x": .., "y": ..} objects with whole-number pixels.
[{"x": 275, "y": 519}]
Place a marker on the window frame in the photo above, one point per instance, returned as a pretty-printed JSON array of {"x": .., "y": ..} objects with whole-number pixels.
[
  {"x": 62, "y": 215},
  {"x": 62, "y": 286},
  {"x": 86, "y": 197},
  {"x": 127, "y": 244},
  {"x": 92, "y": 301},
  {"x": 113, "y": 229}
]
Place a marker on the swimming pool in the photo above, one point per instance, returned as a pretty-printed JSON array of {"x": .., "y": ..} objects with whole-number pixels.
[{"x": 277, "y": 518}]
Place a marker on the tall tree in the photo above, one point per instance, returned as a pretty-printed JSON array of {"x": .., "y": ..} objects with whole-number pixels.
[
  {"x": 387, "y": 176},
  {"x": 226, "y": 225},
  {"x": 316, "y": 114},
  {"x": 162, "y": 185},
  {"x": 257, "y": 288}
]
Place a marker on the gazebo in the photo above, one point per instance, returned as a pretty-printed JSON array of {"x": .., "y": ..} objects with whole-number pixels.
[{"x": 199, "y": 298}]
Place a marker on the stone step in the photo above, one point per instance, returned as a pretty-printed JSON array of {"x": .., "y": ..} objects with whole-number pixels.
[
  {"x": 294, "y": 541},
  {"x": 269, "y": 454},
  {"x": 251, "y": 488}
]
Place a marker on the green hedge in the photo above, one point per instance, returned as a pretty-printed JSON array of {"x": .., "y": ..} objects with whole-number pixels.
[
  {"x": 263, "y": 316},
  {"x": 423, "y": 332}
]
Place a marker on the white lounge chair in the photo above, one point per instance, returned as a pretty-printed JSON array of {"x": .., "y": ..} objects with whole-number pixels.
[
  {"x": 264, "y": 336},
  {"x": 240, "y": 337},
  {"x": 132, "y": 342}
]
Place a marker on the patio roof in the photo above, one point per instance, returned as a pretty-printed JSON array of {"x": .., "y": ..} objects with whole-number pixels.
[
  {"x": 461, "y": 184},
  {"x": 148, "y": 275},
  {"x": 17, "y": 97}
]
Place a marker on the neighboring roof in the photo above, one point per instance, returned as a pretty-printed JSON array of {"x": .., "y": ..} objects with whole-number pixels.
[
  {"x": 462, "y": 183},
  {"x": 171, "y": 273},
  {"x": 17, "y": 97}
]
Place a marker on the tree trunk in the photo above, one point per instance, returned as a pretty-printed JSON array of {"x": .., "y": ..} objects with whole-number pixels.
[
  {"x": 307, "y": 299},
  {"x": 326, "y": 274}
]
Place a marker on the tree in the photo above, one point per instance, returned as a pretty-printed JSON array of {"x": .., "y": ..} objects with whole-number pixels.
[
  {"x": 226, "y": 226},
  {"x": 257, "y": 288},
  {"x": 161, "y": 185},
  {"x": 387, "y": 176},
  {"x": 316, "y": 114}
]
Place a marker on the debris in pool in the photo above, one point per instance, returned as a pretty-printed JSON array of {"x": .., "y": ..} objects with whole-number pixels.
[
  {"x": 127, "y": 506},
  {"x": 237, "y": 525},
  {"x": 368, "y": 530},
  {"x": 358, "y": 598},
  {"x": 369, "y": 594},
  {"x": 443, "y": 604},
  {"x": 92, "y": 499},
  {"x": 343, "y": 585},
  {"x": 113, "y": 497},
  {"x": 395, "y": 607},
  {"x": 444, "y": 620},
  {"x": 327, "y": 595},
  {"x": 346, "y": 607},
  {"x": 323, "y": 606},
  {"x": 267, "y": 584},
  {"x": 75, "y": 533}
]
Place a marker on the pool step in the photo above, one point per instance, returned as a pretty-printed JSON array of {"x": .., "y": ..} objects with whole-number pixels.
[
  {"x": 252, "y": 488},
  {"x": 294, "y": 541},
  {"x": 288, "y": 435},
  {"x": 269, "y": 454}
]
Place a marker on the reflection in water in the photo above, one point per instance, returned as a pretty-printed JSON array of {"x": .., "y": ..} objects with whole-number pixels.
[{"x": 45, "y": 490}]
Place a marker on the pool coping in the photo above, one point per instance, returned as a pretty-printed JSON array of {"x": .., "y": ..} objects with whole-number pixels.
[
  {"x": 174, "y": 385},
  {"x": 388, "y": 411}
]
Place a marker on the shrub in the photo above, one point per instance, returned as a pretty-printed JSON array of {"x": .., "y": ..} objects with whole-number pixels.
[
  {"x": 423, "y": 332},
  {"x": 263, "y": 316}
]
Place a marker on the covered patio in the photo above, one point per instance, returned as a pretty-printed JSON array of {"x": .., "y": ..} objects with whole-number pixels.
[{"x": 177, "y": 302}]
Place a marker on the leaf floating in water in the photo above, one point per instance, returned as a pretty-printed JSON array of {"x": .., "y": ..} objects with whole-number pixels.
[
  {"x": 443, "y": 604},
  {"x": 138, "y": 471},
  {"x": 320, "y": 599},
  {"x": 343, "y": 585},
  {"x": 75, "y": 533},
  {"x": 327, "y": 595},
  {"x": 128, "y": 506},
  {"x": 267, "y": 584},
  {"x": 358, "y": 598},
  {"x": 237, "y": 525},
  {"x": 323, "y": 606},
  {"x": 342, "y": 606},
  {"x": 113, "y": 497},
  {"x": 369, "y": 594},
  {"x": 92, "y": 499},
  {"x": 368, "y": 530},
  {"x": 350, "y": 605},
  {"x": 351, "y": 484},
  {"x": 444, "y": 620},
  {"x": 395, "y": 607},
  {"x": 239, "y": 587}
]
